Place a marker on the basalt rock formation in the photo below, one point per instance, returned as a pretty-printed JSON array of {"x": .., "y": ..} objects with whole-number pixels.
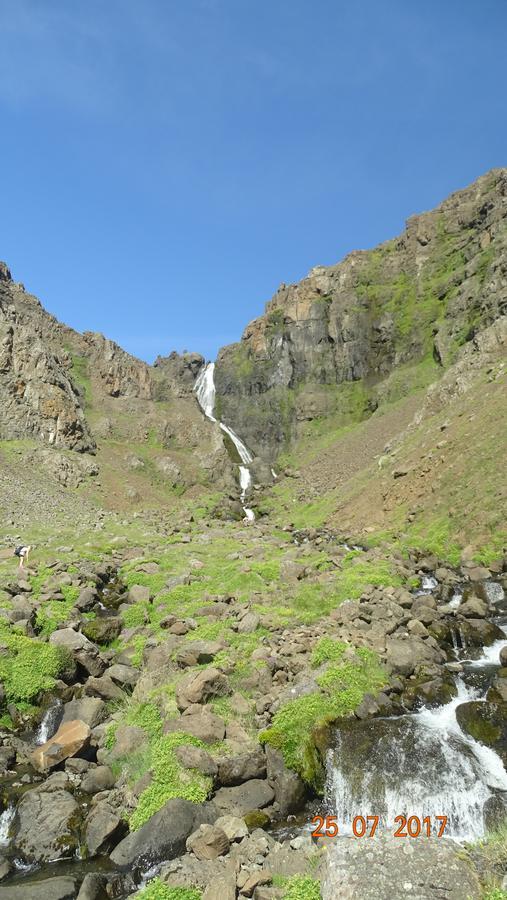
[{"x": 328, "y": 344}]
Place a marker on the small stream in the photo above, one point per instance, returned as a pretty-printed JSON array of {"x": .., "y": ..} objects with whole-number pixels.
[{"x": 423, "y": 764}]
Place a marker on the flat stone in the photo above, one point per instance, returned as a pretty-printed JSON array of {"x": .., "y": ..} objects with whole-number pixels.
[
  {"x": 69, "y": 740},
  {"x": 245, "y": 797},
  {"x": 208, "y": 842},
  {"x": 62, "y": 888}
]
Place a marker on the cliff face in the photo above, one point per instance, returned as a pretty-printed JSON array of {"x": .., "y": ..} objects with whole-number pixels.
[
  {"x": 327, "y": 345},
  {"x": 62, "y": 390}
]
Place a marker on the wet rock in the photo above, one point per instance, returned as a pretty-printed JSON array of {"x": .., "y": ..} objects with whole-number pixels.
[
  {"x": 201, "y": 687},
  {"x": 256, "y": 818},
  {"x": 87, "y": 599},
  {"x": 46, "y": 825},
  {"x": 164, "y": 836},
  {"x": 85, "y": 653},
  {"x": 289, "y": 789},
  {"x": 7, "y": 758},
  {"x": 244, "y": 798},
  {"x": 191, "y": 757},
  {"x": 61, "y": 888},
  {"x": 235, "y": 770},
  {"x": 104, "y": 827},
  {"x": 486, "y": 722},
  {"x": 480, "y": 633},
  {"x": 473, "y": 608},
  {"x": 203, "y": 725},
  {"x": 503, "y": 656},
  {"x": 403, "y": 656},
  {"x": 208, "y": 842},
  {"x": 70, "y": 739}
]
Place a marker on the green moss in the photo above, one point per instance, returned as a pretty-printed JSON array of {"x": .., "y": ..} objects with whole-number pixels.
[
  {"x": 327, "y": 649},
  {"x": 294, "y": 726},
  {"x": 29, "y": 666},
  {"x": 170, "y": 779},
  {"x": 55, "y": 612},
  {"x": 157, "y": 890},
  {"x": 302, "y": 887},
  {"x": 147, "y": 716}
]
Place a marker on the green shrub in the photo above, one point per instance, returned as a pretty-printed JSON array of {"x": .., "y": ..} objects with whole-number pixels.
[
  {"x": 29, "y": 666},
  {"x": 302, "y": 887},
  {"x": 157, "y": 890}
]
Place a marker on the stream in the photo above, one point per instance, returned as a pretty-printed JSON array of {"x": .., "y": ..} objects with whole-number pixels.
[
  {"x": 423, "y": 763},
  {"x": 205, "y": 391}
]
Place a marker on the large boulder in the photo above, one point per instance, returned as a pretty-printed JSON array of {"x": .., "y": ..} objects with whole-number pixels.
[
  {"x": 45, "y": 827},
  {"x": 198, "y": 652},
  {"x": 70, "y": 739},
  {"x": 234, "y": 770},
  {"x": 104, "y": 826},
  {"x": 290, "y": 792},
  {"x": 84, "y": 652},
  {"x": 208, "y": 842},
  {"x": 203, "y": 725},
  {"x": 486, "y": 722},
  {"x": 91, "y": 710},
  {"x": 244, "y": 798},
  {"x": 164, "y": 836},
  {"x": 405, "y": 655}
]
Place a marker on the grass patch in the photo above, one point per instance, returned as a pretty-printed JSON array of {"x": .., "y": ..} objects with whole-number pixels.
[
  {"x": 157, "y": 890},
  {"x": 342, "y": 687},
  {"x": 29, "y": 666},
  {"x": 302, "y": 887}
]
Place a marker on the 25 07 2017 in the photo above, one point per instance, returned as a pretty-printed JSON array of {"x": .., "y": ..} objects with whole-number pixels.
[{"x": 366, "y": 826}]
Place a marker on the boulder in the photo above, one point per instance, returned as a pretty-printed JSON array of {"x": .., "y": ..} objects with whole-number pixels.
[
  {"x": 404, "y": 655},
  {"x": 486, "y": 722},
  {"x": 203, "y": 725},
  {"x": 103, "y": 630},
  {"x": 473, "y": 608},
  {"x": 234, "y": 827},
  {"x": 70, "y": 739},
  {"x": 290, "y": 792},
  {"x": 91, "y": 710},
  {"x": 123, "y": 676},
  {"x": 84, "y": 652},
  {"x": 208, "y": 842},
  {"x": 233, "y": 770},
  {"x": 138, "y": 593},
  {"x": 98, "y": 779},
  {"x": 46, "y": 825},
  {"x": 244, "y": 798},
  {"x": 93, "y": 887},
  {"x": 103, "y": 687},
  {"x": 128, "y": 739},
  {"x": 104, "y": 826},
  {"x": 202, "y": 687},
  {"x": 198, "y": 652},
  {"x": 87, "y": 599},
  {"x": 64, "y": 887},
  {"x": 164, "y": 835},
  {"x": 248, "y": 624}
]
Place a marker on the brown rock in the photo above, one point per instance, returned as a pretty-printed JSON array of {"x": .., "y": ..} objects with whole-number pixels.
[{"x": 70, "y": 739}]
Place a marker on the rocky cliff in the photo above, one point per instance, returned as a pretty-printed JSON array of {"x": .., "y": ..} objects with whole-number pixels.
[
  {"x": 328, "y": 344},
  {"x": 64, "y": 391}
]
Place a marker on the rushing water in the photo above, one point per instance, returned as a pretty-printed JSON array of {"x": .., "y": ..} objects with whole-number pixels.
[
  {"x": 419, "y": 764},
  {"x": 5, "y": 823},
  {"x": 47, "y": 727},
  {"x": 205, "y": 392}
]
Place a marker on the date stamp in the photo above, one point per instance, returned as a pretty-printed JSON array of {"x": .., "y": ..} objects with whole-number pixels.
[{"x": 366, "y": 826}]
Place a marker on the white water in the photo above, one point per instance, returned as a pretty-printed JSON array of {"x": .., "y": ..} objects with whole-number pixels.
[
  {"x": 421, "y": 764},
  {"x": 205, "y": 392},
  {"x": 5, "y": 823},
  {"x": 47, "y": 726}
]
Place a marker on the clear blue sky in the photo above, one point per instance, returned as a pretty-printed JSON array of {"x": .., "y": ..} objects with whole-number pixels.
[{"x": 165, "y": 164}]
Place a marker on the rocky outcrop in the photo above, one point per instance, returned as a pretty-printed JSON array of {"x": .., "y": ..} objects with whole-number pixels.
[{"x": 325, "y": 345}]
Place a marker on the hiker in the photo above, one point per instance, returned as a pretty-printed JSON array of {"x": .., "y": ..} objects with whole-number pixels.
[{"x": 22, "y": 552}]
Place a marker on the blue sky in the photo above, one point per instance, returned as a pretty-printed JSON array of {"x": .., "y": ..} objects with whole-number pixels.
[{"x": 166, "y": 164}]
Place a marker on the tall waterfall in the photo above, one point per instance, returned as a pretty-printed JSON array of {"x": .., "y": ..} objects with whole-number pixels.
[{"x": 205, "y": 391}]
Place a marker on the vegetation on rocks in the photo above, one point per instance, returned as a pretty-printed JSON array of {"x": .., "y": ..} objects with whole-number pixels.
[
  {"x": 157, "y": 890},
  {"x": 29, "y": 666}
]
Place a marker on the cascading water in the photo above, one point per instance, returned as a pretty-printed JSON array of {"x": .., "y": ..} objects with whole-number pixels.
[
  {"x": 419, "y": 764},
  {"x": 205, "y": 391},
  {"x": 5, "y": 823},
  {"x": 47, "y": 726}
]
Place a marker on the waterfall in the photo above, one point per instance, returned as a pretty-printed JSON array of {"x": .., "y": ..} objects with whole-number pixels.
[
  {"x": 5, "y": 823},
  {"x": 205, "y": 391},
  {"x": 47, "y": 726}
]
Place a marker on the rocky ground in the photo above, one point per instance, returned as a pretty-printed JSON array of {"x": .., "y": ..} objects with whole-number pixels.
[{"x": 191, "y": 687}]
